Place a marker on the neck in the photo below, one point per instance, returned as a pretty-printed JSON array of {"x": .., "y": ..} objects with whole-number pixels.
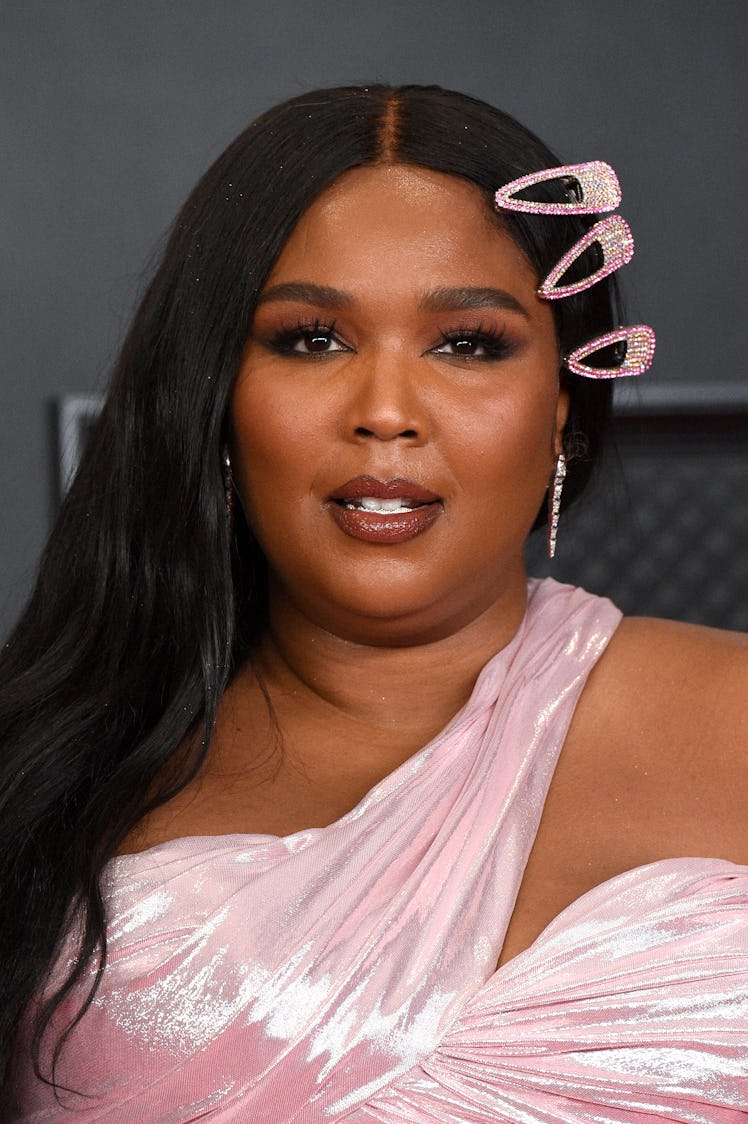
[{"x": 412, "y": 690}]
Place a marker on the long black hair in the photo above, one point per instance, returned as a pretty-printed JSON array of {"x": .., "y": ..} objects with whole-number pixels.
[{"x": 145, "y": 600}]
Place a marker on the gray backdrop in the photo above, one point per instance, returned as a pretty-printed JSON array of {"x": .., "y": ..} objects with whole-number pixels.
[{"x": 110, "y": 111}]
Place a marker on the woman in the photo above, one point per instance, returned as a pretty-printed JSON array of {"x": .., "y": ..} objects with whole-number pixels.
[{"x": 283, "y": 719}]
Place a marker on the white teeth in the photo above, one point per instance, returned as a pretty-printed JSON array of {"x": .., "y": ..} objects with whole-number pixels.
[{"x": 382, "y": 507}]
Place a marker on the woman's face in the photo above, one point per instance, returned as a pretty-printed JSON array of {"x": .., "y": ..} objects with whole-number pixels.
[{"x": 397, "y": 413}]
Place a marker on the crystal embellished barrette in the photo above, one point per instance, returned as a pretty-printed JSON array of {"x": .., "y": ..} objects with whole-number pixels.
[
  {"x": 613, "y": 235},
  {"x": 639, "y": 340},
  {"x": 592, "y": 188}
]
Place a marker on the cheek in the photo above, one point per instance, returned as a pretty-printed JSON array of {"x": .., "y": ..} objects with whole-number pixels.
[
  {"x": 507, "y": 447},
  {"x": 275, "y": 442}
]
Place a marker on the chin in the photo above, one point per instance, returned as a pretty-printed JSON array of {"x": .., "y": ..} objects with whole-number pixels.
[{"x": 405, "y": 617}]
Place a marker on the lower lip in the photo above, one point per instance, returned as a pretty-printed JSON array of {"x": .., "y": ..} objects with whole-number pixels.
[{"x": 369, "y": 526}]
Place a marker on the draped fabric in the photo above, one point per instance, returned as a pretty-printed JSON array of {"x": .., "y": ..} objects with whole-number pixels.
[{"x": 347, "y": 973}]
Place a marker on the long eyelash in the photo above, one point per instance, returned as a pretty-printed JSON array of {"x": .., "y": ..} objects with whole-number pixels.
[
  {"x": 495, "y": 342},
  {"x": 289, "y": 334}
]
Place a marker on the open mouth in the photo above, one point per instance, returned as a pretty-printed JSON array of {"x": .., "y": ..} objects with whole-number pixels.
[{"x": 384, "y": 511}]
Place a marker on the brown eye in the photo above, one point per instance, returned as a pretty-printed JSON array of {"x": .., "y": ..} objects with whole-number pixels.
[
  {"x": 464, "y": 347},
  {"x": 481, "y": 344},
  {"x": 316, "y": 342},
  {"x": 304, "y": 340}
]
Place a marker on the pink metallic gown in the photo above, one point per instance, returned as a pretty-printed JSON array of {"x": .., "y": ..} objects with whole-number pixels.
[{"x": 347, "y": 973}]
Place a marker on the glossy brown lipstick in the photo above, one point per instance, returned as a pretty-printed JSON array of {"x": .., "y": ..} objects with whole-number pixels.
[{"x": 383, "y": 511}]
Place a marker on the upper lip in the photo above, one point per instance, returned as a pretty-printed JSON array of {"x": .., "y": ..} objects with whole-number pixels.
[{"x": 396, "y": 488}]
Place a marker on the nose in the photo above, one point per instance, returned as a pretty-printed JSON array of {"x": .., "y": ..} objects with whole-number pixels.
[{"x": 386, "y": 400}]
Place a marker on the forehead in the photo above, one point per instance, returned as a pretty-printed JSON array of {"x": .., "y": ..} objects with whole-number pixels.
[{"x": 402, "y": 224}]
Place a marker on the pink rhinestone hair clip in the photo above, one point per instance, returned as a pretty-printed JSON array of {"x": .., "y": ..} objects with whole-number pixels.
[
  {"x": 592, "y": 189},
  {"x": 616, "y": 242},
  {"x": 638, "y": 354},
  {"x": 594, "y": 186}
]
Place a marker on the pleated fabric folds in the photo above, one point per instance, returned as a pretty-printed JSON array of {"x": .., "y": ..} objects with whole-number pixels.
[{"x": 347, "y": 973}]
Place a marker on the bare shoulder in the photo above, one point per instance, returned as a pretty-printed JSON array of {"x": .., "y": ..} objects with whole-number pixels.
[
  {"x": 675, "y": 680},
  {"x": 663, "y": 727}
]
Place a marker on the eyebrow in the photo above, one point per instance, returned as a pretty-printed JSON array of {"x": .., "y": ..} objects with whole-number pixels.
[
  {"x": 447, "y": 299},
  {"x": 307, "y": 293},
  {"x": 443, "y": 299}
]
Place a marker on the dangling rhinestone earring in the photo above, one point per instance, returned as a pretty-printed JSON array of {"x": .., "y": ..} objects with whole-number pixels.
[
  {"x": 228, "y": 486},
  {"x": 554, "y": 503}
]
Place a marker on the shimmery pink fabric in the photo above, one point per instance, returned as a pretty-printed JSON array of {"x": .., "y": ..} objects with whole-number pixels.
[{"x": 347, "y": 973}]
